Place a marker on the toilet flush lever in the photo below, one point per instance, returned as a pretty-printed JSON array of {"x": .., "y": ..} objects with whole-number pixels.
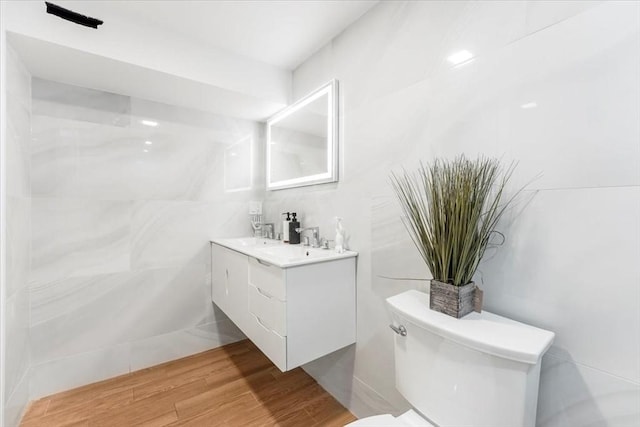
[{"x": 400, "y": 330}]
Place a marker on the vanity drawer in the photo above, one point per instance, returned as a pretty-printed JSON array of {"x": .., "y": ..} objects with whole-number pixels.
[
  {"x": 269, "y": 342},
  {"x": 270, "y": 310},
  {"x": 267, "y": 277}
]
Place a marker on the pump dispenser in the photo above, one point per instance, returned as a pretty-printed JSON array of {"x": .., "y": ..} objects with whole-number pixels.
[
  {"x": 294, "y": 236},
  {"x": 285, "y": 227}
]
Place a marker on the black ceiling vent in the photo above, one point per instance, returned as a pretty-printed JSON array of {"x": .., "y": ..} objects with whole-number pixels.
[{"x": 72, "y": 16}]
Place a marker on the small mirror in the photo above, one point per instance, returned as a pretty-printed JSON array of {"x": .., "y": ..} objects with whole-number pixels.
[
  {"x": 302, "y": 141},
  {"x": 238, "y": 165}
]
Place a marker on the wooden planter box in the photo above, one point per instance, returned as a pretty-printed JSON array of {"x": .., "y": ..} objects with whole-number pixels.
[{"x": 455, "y": 301}]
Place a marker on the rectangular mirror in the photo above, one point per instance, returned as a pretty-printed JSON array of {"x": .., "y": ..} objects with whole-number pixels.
[{"x": 302, "y": 141}]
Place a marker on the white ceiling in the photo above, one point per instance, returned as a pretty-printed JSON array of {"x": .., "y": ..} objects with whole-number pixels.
[{"x": 280, "y": 33}]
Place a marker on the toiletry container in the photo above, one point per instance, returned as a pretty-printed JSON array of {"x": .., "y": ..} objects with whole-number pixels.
[
  {"x": 294, "y": 236},
  {"x": 285, "y": 227},
  {"x": 339, "y": 239}
]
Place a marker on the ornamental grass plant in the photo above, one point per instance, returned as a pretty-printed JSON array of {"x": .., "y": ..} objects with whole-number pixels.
[{"x": 451, "y": 211}]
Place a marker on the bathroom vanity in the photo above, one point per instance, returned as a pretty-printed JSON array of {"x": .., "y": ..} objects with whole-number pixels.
[{"x": 294, "y": 302}]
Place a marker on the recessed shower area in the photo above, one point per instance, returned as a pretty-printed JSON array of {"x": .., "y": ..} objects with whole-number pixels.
[
  {"x": 117, "y": 175},
  {"x": 123, "y": 193}
]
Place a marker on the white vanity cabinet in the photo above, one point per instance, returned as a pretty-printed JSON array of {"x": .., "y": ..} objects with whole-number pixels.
[
  {"x": 229, "y": 283},
  {"x": 294, "y": 314}
]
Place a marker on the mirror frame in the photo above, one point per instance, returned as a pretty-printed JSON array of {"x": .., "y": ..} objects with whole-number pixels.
[{"x": 331, "y": 90}]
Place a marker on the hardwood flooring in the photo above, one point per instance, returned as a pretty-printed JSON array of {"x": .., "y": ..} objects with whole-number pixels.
[{"x": 234, "y": 385}]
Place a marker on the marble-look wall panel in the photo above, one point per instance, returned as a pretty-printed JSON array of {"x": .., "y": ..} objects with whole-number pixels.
[
  {"x": 81, "y": 152},
  {"x": 409, "y": 41},
  {"x": 78, "y": 237},
  {"x": 79, "y": 369},
  {"x": 174, "y": 345},
  {"x": 118, "y": 162},
  {"x": 349, "y": 389},
  {"x": 18, "y": 79},
  {"x": 127, "y": 194},
  {"x": 572, "y": 394},
  {"x": 562, "y": 103},
  {"x": 16, "y": 255},
  {"x": 17, "y": 402},
  {"x": 16, "y": 175},
  {"x": 569, "y": 264},
  {"x": 16, "y": 318},
  {"x": 17, "y": 145},
  {"x": 406, "y": 42},
  {"x": 554, "y": 86},
  {"x": 521, "y": 102},
  {"x": 53, "y": 157},
  {"x": 18, "y": 243},
  {"x": 544, "y": 14},
  {"x": 178, "y": 232},
  {"x": 117, "y": 308}
]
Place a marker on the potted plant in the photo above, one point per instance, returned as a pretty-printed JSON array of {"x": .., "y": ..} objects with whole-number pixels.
[{"x": 451, "y": 211}]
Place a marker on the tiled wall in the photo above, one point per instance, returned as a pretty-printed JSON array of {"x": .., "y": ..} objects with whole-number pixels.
[
  {"x": 121, "y": 217},
  {"x": 555, "y": 86},
  {"x": 18, "y": 206}
]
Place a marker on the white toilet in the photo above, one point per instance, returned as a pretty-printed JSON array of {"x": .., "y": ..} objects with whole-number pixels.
[{"x": 481, "y": 370}]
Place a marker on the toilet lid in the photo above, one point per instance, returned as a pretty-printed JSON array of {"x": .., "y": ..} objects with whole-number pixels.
[{"x": 408, "y": 419}]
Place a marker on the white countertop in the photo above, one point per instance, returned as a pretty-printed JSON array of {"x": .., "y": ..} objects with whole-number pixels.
[{"x": 281, "y": 254}]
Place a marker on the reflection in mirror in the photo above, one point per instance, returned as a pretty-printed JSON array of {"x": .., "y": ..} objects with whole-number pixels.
[
  {"x": 238, "y": 165},
  {"x": 299, "y": 143},
  {"x": 302, "y": 141}
]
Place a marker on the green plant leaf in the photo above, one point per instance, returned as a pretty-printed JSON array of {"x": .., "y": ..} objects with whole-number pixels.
[{"x": 451, "y": 209}]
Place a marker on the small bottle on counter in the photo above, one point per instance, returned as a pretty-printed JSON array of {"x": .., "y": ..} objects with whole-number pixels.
[
  {"x": 285, "y": 227},
  {"x": 339, "y": 236},
  {"x": 294, "y": 236}
]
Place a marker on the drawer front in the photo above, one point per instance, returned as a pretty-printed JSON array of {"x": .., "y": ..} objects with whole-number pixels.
[
  {"x": 270, "y": 310},
  {"x": 268, "y": 278},
  {"x": 269, "y": 342}
]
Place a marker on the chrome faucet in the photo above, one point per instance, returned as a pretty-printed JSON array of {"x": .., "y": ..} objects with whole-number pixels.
[
  {"x": 315, "y": 235},
  {"x": 267, "y": 230}
]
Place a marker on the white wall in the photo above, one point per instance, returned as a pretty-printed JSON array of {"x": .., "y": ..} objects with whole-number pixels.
[
  {"x": 120, "y": 265},
  {"x": 554, "y": 85},
  {"x": 16, "y": 238},
  {"x": 3, "y": 201}
]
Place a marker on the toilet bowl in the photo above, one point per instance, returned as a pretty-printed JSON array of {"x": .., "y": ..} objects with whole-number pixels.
[{"x": 481, "y": 370}]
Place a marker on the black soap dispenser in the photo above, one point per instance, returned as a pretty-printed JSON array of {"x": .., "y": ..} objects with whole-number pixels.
[{"x": 294, "y": 236}]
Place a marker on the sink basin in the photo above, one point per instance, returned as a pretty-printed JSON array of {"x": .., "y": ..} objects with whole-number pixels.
[
  {"x": 281, "y": 254},
  {"x": 251, "y": 241},
  {"x": 292, "y": 252}
]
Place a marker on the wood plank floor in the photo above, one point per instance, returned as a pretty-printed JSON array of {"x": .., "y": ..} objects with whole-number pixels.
[{"x": 234, "y": 385}]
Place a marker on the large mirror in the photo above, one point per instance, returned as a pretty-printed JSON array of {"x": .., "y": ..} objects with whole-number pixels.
[{"x": 302, "y": 141}]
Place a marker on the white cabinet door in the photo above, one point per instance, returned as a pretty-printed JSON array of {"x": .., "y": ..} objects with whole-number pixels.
[
  {"x": 237, "y": 288},
  {"x": 219, "y": 274}
]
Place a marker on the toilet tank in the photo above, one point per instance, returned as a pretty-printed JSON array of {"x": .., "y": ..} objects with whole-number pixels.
[{"x": 481, "y": 370}]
